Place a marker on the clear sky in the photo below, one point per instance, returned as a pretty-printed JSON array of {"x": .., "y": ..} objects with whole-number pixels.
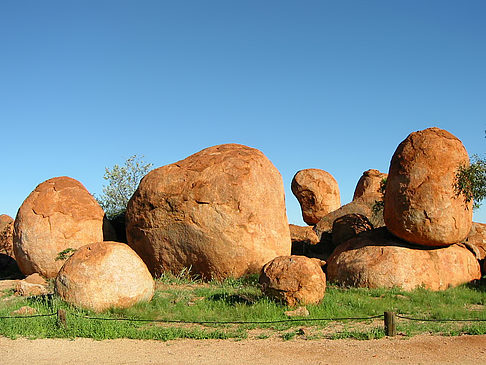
[{"x": 335, "y": 85}]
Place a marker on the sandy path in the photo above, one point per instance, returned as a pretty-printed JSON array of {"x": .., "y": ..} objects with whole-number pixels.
[{"x": 417, "y": 350}]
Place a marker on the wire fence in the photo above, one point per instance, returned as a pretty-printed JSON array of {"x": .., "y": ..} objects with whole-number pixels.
[{"x": 390, "y": 319}]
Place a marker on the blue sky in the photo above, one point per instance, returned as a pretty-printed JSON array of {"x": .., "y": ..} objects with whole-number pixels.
[{"x": 335, "y": 85}]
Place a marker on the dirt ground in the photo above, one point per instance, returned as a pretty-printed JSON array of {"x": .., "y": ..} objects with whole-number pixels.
[{"x": 422, "y": 349}]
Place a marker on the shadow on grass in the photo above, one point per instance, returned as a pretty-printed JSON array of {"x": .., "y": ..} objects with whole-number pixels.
[{"x": 232, "y": 299}]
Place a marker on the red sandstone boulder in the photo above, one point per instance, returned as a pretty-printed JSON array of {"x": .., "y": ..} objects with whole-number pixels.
[
  {"x": 59, "y": 214},
  {"x": 103, "y": 275},
  {"x": 421, "y": 204},
  {"x": 220, "y": 212},
  {"x": 370, "y": 185},
  {"x": 476, "y": 240},
  {"x": 294, "y": 280},
  {"x": 6, "y": 235},
  {"x": 317, "y": 192},
  {"x": 377, "y": 259},
  {"x": 349, "y": 226}
]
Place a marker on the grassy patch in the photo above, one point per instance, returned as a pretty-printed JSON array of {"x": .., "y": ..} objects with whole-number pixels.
[{"x": 180, "y": 298}]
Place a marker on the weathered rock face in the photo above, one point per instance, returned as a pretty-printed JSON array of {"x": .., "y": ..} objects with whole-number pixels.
[
  {"x": 421, "y": 205},
  {"x": 102, "y": 275},
  {"x": 6, "y": 235},
  {"x": 294, "y": 280},
  {"x": 370, "y": 185},
  {"x": 317, "y": 192},
  {"x": 476, "y": 240},
  {"x": 59, "y": 214},
  {"x": 378, "y": 259},
  {"x": 358, "y": 206},
  {"x": 349, "y": 226},
  {"x": 220, "y": 211}
]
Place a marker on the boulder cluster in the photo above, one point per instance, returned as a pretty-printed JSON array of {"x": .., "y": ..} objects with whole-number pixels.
[{"x": 221, "y": 213}]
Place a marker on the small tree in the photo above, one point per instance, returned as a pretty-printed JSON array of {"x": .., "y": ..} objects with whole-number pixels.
[
  {"x": 122, "y": 183},
  {"x": 471, "y": 181}
]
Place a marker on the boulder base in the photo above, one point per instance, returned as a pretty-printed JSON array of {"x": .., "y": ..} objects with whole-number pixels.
[
  {"x": 220, "y": 212},
  {"x": 59, "y": 214},
  {"x": 377, "y": 259},
  {"x": 294, "y": 280},
  {"x": 317, "y": 192},
  {"x": 102, "y": 275},
  {"x": 421, "y": 204}
]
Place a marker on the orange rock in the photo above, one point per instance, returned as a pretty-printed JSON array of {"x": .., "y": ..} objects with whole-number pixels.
[
  {"x": 377, "y": 259},
  {"x": 370, "y": 185},
  {"x": 476, "y": 240},
  {"x": 303, "y": 234},
  {"x": 103, "y": 275},
  {"x": 59, "y": 214},
  {"x": 294, "y": 280},
  {"x": 421, "y": 205},
  {"x": 6, "y": 235},
  {"x": 220, "y": 212},
  {"x": 349, "y": 226},
  {"x": 317, "y": 192}
]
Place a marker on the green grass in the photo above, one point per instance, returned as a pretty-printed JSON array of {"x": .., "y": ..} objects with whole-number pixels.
[{"x": 183, "y": 299}]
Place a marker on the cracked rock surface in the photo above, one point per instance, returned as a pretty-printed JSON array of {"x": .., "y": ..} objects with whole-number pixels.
[
  {"x": 377, "y": 259},
  {"x": 220, "y": 212},
  {"x": 421, "y": 204},
  {"x": 59, "y": 214}
]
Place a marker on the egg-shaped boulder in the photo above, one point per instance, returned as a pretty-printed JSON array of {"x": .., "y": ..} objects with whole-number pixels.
[
  {"x": 59, "y": 214},
  {"x": 371, "y": 185},
  {"x": 104, "y": 275},
  {"x": 377, "y": 259},
  {"x": 294, "y": 280},
  {"x": 317, "y": 192},
  {"x": 220, "y": 212},
  {"x": 422, "y": 205}
]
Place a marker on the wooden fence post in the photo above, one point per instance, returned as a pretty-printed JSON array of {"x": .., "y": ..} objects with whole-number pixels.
[
  {"x": 61, "y": 318},
  {"x": 390, "y": 324}
]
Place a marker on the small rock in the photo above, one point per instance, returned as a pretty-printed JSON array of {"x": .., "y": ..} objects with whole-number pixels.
[
  {"x": 36, "y": 279},
  {"x": 25, "y": 311},
  {"x": 299, "y": 312},
  {"x": 25, "y": 289}
]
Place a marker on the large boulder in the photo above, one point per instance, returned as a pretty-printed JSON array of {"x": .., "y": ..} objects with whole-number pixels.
[
  {"x": 377, "y": 259},
  {"x": 294, "y": 280},
  {"x": 6, "y": 235},
  {"x": 370, "y": 185},
  {"x": 102, "y": 275},
  {"x": 421, "y": 204},
  {"x": 317, "y": 192},
  {"x": 220, "y": 212},
  {"x": 59, "y": 214},
  {"x": 476, "y": 240}
]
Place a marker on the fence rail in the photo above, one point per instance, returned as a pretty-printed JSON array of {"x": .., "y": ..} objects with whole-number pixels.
[{"x": 390, "y": 320}]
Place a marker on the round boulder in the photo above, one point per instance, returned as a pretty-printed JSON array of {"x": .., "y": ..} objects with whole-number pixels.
[
  {"x": 59, "y": 214},
  {"x": 370, "y": 185},
  {"x": 6, "y": 235},
  {"x": 102, "y": 275},
  {"x": 294, "y": 280},
  {"x": 349, "y": 226},
  {"x": 421, "y": 204},
  {"x": 377, "y": 259},
  {"x": 220, "y": 212},
  {"x": 317, "y": 192}
]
